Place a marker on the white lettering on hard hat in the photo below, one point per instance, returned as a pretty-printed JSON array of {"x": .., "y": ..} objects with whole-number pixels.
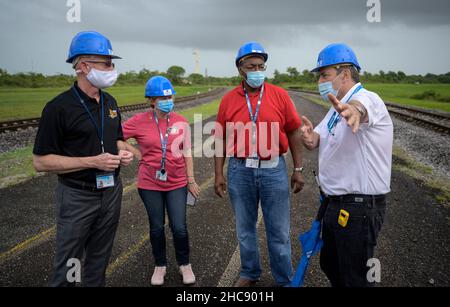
[
  {"x": 74, "y": 13},
  {"x": 257, "y": 51}
]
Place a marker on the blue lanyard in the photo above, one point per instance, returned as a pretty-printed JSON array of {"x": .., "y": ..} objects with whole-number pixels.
[
  {"x": 164, "y": 140},
  {"x": 335, "y": 118},
  {"x": 254, "y": 117},
  {"x": 100, "y": 131}
]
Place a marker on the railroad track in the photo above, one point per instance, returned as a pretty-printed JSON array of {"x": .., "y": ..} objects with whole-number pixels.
[
  {"x": 437, "y": 121},
  {"x": 21, "y": 124}
]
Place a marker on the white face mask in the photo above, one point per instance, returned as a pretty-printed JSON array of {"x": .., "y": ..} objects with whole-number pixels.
[{"x": 102, "y": 79}]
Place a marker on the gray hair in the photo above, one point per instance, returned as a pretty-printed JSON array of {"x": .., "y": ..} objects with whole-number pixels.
[{"x": 353, "y": 71}]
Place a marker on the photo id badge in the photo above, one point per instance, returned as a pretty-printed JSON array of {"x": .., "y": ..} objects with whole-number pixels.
[
  {"x": 252, "y": 162},
  {"x": 104, "y": 180},
  {"x": 161, "y": 175}
]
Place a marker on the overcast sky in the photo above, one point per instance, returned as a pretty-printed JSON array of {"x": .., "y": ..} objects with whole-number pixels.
[{"x": 413, "y": 36}]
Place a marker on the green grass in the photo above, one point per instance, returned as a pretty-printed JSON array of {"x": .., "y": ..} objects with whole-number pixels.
[
  {"x": 17, "y": 166},
  {"x": 206, "y": 110},
  {"x": 400, "y": 93},
  {"x": 423, "y": 173},
  {"x": 16, "y": 103}
]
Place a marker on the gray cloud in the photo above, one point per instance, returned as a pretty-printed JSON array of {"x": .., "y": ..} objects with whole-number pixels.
[{"x": 35, "y": 31}]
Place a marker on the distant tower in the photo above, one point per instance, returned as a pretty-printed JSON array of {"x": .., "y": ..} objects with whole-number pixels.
[
  {"x": 206, "y": 72},
  {"x": 197, "y": 61}
]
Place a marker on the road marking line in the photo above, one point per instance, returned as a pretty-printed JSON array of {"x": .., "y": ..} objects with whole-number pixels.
[
  {"x": 234, "y": 265},
  {"x": 123, "y": 258},
  {"x": 28, "y": 243},
  {"x": 43, "y": 236}
]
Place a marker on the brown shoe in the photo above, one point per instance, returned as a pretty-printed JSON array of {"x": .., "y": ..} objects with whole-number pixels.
[{"x": 244, "y": 282}]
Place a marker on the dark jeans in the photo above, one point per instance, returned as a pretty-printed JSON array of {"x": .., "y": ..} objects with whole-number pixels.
[
  {"x": 346, "y": 250},
  {"x": 156, "y": 203},
  {"x": 86, "y": 225}
]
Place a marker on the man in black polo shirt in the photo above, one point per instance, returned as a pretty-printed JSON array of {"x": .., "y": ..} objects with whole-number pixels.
[{"x": 80, "y": 139}]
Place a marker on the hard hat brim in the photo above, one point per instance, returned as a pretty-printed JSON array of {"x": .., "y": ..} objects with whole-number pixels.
[
  {"x": 317, "y": 69},
  {"x": 113, "y": 57},
  {"x": 265, "y": 56}
]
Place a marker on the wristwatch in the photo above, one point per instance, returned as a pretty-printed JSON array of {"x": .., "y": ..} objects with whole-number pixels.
[
  {"x": 360, "y": 110},
  {"x": 299, "y": 169}
]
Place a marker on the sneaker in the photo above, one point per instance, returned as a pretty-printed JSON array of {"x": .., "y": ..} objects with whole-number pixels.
[
  {"x": 188, "y": 275},
  {"x": 158, "y": 276}
]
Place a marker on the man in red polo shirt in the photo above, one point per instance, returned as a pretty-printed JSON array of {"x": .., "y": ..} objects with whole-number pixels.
[{"x": 256, "y": 125}]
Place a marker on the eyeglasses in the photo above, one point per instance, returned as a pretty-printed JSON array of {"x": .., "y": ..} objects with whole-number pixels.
[
  {"x": 254, "y": 67},
  {"x": 108, "y": 64}
]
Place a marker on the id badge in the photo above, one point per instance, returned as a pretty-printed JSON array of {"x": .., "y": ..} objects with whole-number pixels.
[
  {"x": 161, "y": 175},
  {"x": 104, "y": 180},
  {"x": 252, "y": 162}
]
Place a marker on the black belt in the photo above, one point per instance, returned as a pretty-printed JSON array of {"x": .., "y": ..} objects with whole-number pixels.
[
  {"x": 81, "y": 185},
  {"x": 358, "y": 198}
]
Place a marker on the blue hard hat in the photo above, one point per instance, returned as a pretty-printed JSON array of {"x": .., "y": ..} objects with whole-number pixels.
[
  {"x": 159, "y": 86},
  {"x": 90, "y": 43},
  {"x": 251, "y": 48},
  {"x": 335, "y": 54}
]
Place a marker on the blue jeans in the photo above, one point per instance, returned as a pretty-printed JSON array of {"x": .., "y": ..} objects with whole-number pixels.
[
  {"x": 156, "y": 203},
  {"x": 247, "y": 187}
]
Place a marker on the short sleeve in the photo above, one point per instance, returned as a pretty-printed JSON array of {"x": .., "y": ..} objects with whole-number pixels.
[
  {"x": 49, "y": 135},
  {"x": 119, "y": 129},
  {"x": 373, "y": 105},
  {"x": 219, "y": 128},
  {"x": 186, "y": 133},
  {"x": 292, "y": 120},
  {"x": 129, "y": 128}
]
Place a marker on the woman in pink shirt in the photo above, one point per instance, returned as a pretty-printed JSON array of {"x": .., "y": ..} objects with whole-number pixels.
[{"x": 166, "y": 174}]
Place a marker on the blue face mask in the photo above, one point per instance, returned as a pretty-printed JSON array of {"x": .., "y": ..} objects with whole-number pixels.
[
  {"x": 165, "y": 106},
  {"x": 255, "y": 78},
  {"x": 327, "y": 87}
]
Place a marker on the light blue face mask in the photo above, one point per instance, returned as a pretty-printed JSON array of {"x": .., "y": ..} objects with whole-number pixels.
[
  {"x": 255, "y": 78},
  {"x": 327, "y": 87},
  {"x": 165, "y": 106}
]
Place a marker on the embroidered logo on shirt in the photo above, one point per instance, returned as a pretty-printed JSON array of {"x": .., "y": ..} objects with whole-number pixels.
[
  {"x": 112, "y": 113},
  {"x": 173, "y": 130}
]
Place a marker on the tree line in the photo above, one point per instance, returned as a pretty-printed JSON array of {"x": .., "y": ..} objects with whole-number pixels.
[
  {"x": 177, "y": 75},
  {"x": 292, "y": 75}
]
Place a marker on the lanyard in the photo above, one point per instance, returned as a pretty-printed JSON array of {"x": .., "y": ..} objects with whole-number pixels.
[
  {"x": 254, "y": 117},
  {"x": 335, "y": 118},
  {"x": 164, "y": 140},
  {"x": 100, "y": 130}
]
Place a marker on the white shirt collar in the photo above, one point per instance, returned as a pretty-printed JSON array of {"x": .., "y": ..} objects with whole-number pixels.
[{"x": 350, "y": 92}]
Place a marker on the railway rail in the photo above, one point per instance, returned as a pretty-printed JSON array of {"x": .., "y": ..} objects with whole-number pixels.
[{"x": 21, "y": 124}]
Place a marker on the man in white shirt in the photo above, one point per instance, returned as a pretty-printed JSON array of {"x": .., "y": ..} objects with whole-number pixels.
[{"x": 355, "y": 156}]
